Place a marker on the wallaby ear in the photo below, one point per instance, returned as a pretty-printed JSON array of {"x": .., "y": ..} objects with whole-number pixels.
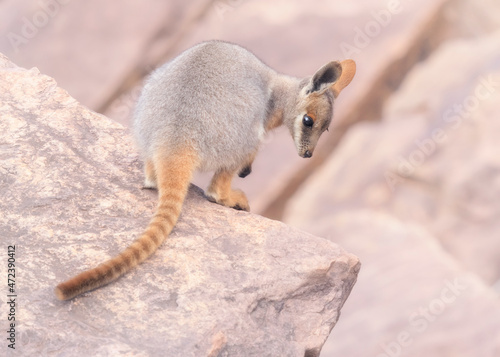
[
  {"x": 325, "y": 77},
  {"x": 347, "y": 74}
]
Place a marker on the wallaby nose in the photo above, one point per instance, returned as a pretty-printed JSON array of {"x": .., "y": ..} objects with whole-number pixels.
[{"x": 308, "y": 154}]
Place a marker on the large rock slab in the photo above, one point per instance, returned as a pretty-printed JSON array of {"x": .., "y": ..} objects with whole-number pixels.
[
  {"x": 423, "y": 181},
  {"x": 226, "y": 283}
]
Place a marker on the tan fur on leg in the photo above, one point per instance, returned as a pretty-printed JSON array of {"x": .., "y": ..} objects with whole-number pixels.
[
  {"x": 220, "y": 191},
  {"x": 150, "y": 175}
]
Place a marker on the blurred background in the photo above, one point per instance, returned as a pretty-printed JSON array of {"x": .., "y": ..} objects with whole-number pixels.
[{"x": 408, "y": 178}]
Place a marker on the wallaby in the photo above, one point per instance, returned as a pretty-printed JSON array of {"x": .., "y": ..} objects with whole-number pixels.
[{"x": 209, "y": 109}]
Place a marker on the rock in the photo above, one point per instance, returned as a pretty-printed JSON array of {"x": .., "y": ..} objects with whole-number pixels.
[
  {"x": 412, "y": 298},
  {"x": 414, "y": 197},
  {"x": 92, "y": 47},
  {"x": 468, "y": 19},
  {"x": 226, "y": 283}
]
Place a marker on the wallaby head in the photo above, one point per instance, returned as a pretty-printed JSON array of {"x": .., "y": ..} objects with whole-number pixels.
[{"x": 314, "y": 107}]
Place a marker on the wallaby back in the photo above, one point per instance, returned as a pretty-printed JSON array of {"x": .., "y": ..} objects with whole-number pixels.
[{"x": 214, "y": 95}]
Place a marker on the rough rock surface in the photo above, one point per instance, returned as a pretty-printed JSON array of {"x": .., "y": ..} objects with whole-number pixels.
[
  {"x": 424, "y": 182},
  {"x": 226, "y": 283}
]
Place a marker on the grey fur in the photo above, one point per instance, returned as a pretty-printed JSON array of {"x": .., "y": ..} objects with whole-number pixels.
[{"x": 220, "y": 98}]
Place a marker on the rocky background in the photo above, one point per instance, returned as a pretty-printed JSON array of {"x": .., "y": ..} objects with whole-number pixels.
[{"x": 408, "y": 176}]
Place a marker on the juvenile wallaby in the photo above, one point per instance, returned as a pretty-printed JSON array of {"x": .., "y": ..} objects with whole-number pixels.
[{"x": 210, "y": 109}]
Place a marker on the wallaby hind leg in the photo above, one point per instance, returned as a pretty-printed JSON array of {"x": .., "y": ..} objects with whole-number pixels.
[
  {"x": 150, "y": 181},
  {"x": 220, "y": 191}
]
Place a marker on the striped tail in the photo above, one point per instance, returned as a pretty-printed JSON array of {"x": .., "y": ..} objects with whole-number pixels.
[{"x": 173, "y": 177}]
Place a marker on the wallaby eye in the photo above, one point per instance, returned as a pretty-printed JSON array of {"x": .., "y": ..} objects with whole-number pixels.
[{"x": 307, "y": 121}]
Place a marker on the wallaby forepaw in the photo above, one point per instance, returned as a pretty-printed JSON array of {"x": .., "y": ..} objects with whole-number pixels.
[{"x": 247, "y": 170}]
